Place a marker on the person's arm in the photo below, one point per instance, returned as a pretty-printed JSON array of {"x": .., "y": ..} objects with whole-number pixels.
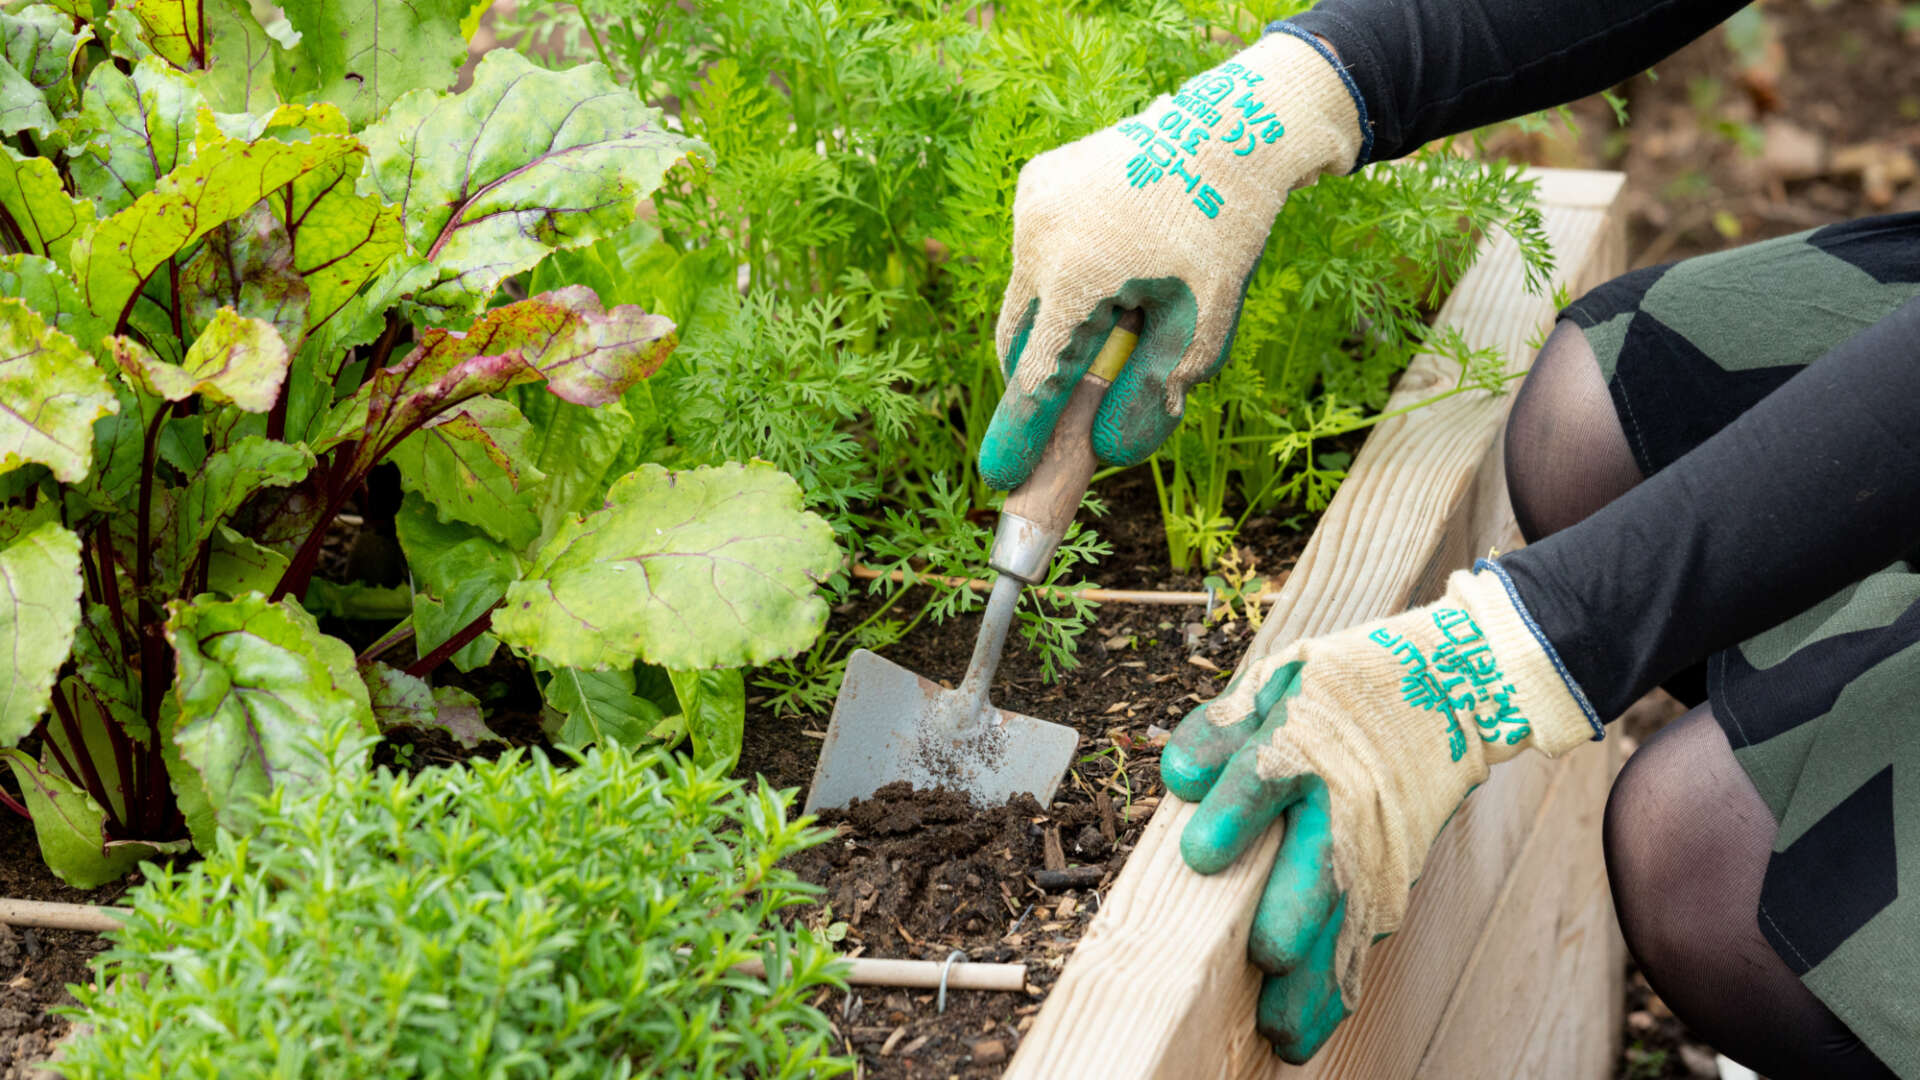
[
  {"x": 1428, "y": 68},
  {"x": 1813, "y": 488}
]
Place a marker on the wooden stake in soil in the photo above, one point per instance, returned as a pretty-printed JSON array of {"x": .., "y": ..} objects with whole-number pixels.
[
  {"x": 864, "y": 971},
  {"x": 52, "y": 916}
]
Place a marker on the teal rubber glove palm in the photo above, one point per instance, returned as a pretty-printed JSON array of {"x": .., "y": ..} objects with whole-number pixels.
[
  {"x": 1363, "y": 743},
  {"x": 1168, "y": 212}
]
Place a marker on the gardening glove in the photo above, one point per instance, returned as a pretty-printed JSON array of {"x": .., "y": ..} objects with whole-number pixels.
[
  {"x": 1168, "y": 212},
  {"x": 1366, "y": 741}
]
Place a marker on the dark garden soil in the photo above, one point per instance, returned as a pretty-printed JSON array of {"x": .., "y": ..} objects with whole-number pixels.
[
  {"x": 37, "y": 965},
  {"x": 917, "y": 875}
]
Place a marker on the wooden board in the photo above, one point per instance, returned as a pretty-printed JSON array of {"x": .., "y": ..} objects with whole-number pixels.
[
  {"x": 1160, "y": 985},
  {"x": 1540, "y": 996}
]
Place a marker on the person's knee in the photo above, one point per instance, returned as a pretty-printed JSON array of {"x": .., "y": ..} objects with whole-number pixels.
[
  {"x": 1686, "y": 840},
  {"x": 1566, "y": 455}
]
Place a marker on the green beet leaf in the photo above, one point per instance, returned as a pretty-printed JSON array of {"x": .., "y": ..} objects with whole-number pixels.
[
  {"x": 714, "y": 704},
  {"x": 241, "y": 53},
  {"x": 237, "y": 565},
  {"x": 580, "y": 451},
  {"x": 471, "y": 463},
  {"x": 364, "y": 54},
  {"x": 39, "y": 615},
  {"x": 72, "y": 827},
  {"x": 246, "y": 265},
  {"x": 36, "y": 213},
  {"x": 22, "y": 106},
  {"x": 584, "y": 353},
  {"x": 38, "y": 47},
  {"x": 51, "y": 392},
  {"x": 217, "y": 43},
  {"x": 130, "y": 131},
  {"x": 401, "y": 700},
  {"x": 343, "y": 241},
  {"x": 712, "y": 567},
  {"x": 113, "y": 259},
  {"x": 459, "y": 573},
  {"x": 257, "y": 682},
  {"x": 589, "y": 707},
  {"x": 223, "y": 482},
  {"x": 52, "y": 295},
  {"x": 521, "y": 163},
  {"x": 118, "y": 441},
  {"x": 101, "y": 664},
  {"x": 40, "y": 44},
  {"x": 339, "y": 239},
  {"x": 237, "y": 361},
  {"x": 174, "y": 29}
]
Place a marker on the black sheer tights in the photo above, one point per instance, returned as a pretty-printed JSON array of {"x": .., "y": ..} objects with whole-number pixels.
[
  {"x": 1687, "y": 840},
  {"x": 1566, "y": 453},
  {"x": 1687, "y": 836}
]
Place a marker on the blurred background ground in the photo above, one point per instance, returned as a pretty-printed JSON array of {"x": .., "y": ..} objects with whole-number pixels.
[{"x": 1791, "y": 115}]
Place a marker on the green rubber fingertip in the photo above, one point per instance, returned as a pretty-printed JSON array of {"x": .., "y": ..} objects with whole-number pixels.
[
  {"x": 1199, "y": 748},
  {"x": 1298, "y": 1012},
  {"x": 1015, "y": 439},
  {"x": 1213, "y": 843},
  {"x": 1135, "y": 418},
  {"x": 1023, "y": 423},
  {"x": 1301, "y": 894},
  {"x": 1234, "y": 814}
]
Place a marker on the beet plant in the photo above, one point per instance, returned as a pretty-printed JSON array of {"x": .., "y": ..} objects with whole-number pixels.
[{"x": 244, "y": 267}]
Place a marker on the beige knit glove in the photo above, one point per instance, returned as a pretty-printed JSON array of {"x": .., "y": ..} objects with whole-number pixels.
[
  {"x": 1367, "y": 740},
  {"x": 1167, "y": 211}
]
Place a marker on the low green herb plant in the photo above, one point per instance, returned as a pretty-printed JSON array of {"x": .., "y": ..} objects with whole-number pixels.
[
  {"x": 242, "y": 267},
  {"x": 518, "y": 918}
]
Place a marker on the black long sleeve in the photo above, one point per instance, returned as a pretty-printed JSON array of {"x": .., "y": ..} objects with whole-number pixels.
[
  {"x": 1427, "y": 68},
  {"x": 1813, "y": 488}
]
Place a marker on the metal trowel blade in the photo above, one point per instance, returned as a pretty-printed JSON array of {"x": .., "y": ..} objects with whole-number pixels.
[{"x": 890, "y": 724}]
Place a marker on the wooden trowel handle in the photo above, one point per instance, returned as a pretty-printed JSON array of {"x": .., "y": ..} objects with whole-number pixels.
[{"x": 1038, "y": 512}]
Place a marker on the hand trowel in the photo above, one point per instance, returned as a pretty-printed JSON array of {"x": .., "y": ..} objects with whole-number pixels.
[{"x": 890, "y": 724}]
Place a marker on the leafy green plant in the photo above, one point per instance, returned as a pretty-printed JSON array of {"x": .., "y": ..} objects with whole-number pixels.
[
  {"x": 1337, "y": 308},
  {"x": 242, "y": 270},
  {"x": 512, "y": 919}
]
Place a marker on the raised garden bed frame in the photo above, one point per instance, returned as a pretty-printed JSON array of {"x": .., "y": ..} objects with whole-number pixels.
[{"x": 1160, "y": 985}]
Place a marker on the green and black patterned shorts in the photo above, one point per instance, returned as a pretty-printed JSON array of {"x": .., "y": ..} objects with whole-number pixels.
[{"x": 1822, "y": 711}]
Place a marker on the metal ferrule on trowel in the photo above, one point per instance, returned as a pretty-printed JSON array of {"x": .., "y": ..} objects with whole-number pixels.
[{"x": 890, "y": 724}]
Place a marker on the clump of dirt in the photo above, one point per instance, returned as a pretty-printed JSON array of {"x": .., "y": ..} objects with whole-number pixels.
[{"x": 929, "y": 861}]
